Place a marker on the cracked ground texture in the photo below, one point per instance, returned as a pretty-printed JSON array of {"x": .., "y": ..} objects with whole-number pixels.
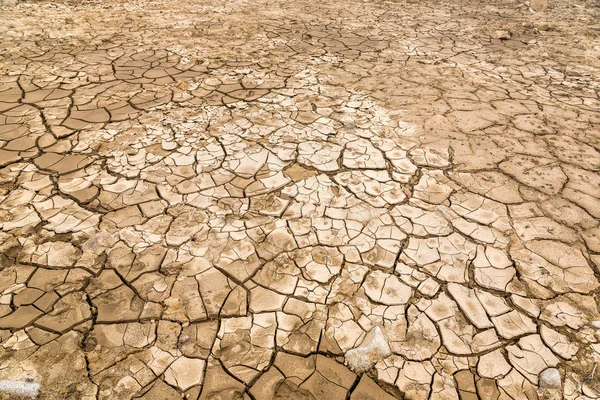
[{"x": 300, "y": 199}]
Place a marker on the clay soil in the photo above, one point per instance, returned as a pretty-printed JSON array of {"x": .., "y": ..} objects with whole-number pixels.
[{"x": 275, "y": 199}]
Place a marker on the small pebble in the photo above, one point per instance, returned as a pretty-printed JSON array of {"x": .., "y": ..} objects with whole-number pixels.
[{"x": 550, "y": 379}]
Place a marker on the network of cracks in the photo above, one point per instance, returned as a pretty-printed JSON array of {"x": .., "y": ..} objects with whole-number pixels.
[{"x": 300, "y": 200}]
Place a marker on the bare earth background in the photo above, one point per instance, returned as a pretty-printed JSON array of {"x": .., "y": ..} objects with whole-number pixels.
[{"x": 300, "y": 199}]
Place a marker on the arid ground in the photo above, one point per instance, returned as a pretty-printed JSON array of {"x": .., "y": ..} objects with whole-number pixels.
[{"x": 333, "y": 199}]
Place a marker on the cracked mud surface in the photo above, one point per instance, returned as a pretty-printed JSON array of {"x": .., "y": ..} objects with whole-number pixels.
[{"x": 300, "y": 200}]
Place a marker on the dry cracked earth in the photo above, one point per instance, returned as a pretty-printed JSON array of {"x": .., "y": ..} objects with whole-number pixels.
[{"x": 252, "y": 199}]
